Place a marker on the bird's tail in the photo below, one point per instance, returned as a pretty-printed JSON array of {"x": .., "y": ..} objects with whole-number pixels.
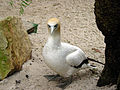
[
  {"x": 90, "y": 59},
  {"x": 86, "y": 62}
]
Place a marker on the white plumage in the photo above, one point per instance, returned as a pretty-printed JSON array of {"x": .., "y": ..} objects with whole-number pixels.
[{"x": 61, "y": 57}]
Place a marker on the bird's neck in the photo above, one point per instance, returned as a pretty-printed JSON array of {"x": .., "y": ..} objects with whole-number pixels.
[{"x": 54, "y": 40}]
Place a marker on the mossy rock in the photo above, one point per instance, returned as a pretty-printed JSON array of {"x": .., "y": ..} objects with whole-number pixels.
[{"x": 15, "y": 46}]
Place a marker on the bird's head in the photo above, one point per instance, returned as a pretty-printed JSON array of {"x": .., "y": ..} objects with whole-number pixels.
[{"x": 53, "y": 25}]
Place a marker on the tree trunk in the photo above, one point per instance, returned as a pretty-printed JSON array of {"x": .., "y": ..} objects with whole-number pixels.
[{"x": 107, "y": 14}]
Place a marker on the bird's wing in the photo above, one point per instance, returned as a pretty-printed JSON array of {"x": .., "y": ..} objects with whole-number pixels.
[{"x": 75, "y": 58}]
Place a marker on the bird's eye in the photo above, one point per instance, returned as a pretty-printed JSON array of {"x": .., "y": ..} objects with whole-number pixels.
[
  {"x": 56, "y": 25},
  {"x": 49, "y": 26}
]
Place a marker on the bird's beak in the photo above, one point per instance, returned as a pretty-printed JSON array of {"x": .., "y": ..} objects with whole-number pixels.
[{"x": 52, "y": 29}]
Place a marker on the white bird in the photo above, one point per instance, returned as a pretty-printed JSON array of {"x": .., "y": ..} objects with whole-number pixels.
[{"x": 63, "y": 58}]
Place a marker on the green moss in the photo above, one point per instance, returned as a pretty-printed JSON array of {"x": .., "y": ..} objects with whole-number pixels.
[
  {"x": 4, "y": 55},
  {"x": 4, "y": 64}
]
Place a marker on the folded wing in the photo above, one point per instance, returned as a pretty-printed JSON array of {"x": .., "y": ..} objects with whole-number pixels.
[{"x": 75, "y": 58}]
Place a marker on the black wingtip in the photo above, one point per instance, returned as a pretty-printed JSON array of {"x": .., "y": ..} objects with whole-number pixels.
[{"x": 83, "y": 62}]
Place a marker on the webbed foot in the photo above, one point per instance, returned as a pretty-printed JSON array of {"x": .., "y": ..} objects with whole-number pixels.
[
  {"x": 65, "y": 83},
  {"x": 51, "y": 77}
]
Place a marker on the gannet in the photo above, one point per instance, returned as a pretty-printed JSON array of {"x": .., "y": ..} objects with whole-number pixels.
[{"x": 62, "y": 58}]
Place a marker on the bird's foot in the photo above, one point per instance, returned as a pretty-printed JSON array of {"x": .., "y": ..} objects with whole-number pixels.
[
  {"x": 51, "y": 77},
  {"x": 65, "y": 83}
]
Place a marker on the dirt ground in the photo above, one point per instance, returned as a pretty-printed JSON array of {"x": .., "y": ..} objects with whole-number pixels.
[{"x": 78, "y": 27}]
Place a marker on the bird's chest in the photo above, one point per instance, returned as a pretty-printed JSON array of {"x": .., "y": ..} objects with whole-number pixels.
[{"x": 53, "y": 56}]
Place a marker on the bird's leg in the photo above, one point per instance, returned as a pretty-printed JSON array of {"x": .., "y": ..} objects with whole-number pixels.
[
  {"x": 65, "y": 83},
  {"x": 51, "y": 77}
]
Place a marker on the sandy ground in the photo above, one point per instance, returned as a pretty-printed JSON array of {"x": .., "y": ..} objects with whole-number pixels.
[{"x": 78, "y": 27}]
